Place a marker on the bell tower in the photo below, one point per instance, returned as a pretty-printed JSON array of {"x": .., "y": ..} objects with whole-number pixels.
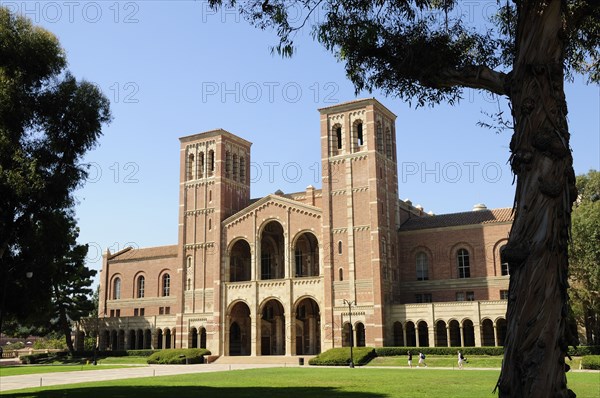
[
  {"x": 360, "y": 218},
  {"x": 214, "y": 184}
]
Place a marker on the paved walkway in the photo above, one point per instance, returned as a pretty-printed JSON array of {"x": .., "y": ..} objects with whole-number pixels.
[{"x": 8, "y": 383}]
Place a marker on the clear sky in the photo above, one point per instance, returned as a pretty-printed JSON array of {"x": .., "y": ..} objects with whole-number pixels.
[{"x": 174, "y": 68}]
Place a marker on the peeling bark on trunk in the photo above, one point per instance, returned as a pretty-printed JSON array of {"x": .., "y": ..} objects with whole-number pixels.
[{"x": 537, "y": 334}]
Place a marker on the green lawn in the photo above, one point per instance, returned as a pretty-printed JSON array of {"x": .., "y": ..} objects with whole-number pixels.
[
  {"x": 305, "y": 382},
  {"x": 35, "y": 369}
]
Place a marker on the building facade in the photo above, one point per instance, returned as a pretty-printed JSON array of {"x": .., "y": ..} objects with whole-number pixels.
[{"x": 286, "y": 274}]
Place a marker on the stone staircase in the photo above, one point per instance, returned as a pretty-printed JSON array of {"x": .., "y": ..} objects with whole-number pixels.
[{"x": 282, "y": 360}]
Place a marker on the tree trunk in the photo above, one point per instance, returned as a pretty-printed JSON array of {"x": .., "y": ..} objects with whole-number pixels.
[{"x": 538, "y": 334}]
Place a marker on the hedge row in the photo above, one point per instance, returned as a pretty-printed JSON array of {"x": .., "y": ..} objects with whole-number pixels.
[
  {"x": 178, "y": 356},
  {"x": 591, "y": 362},
  {"x": 400, "y": 351},
  {"x": 341, "y": 356},
  {"x": 119, "y": 353}
]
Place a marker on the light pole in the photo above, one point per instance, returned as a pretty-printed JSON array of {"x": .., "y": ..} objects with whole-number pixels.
[{"x": 349, "y": 304}]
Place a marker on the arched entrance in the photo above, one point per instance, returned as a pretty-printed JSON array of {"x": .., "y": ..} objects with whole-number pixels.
[
  {"x": 411, "y": 336},
  {"x": 454, "y": 333},
  {"x": 487, "y": 333},
  {"x": 193, "y": 343},
  {"x": 239, "y": 262},
  {"x": 239, "y": 329},
  {"x": 468, "y": 333},
  {"x": 306, "y": 255},
  {"x": 423, "y": 334},
  {"x": 360, "y": 334},
  {"x": 398, "y": 335},
  {"x": 441, "y": 335},
  {"x": 272, "y": 328},
  {"x": 308, "y": 327},
  {"x": 346, "y": 335},
  {"x": 501, "y": 331},
  {"x": 272, "y": 252}
]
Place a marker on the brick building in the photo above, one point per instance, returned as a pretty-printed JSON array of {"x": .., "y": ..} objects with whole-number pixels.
[{"x": 283, "y": 274}]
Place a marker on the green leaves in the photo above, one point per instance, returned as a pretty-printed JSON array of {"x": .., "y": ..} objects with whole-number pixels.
[{"x": 48, "y": 121}]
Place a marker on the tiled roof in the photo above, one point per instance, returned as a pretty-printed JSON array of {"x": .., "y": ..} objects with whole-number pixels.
[
  {"x": 147, "y": 252},
  {"x": 457, "y": 219}
]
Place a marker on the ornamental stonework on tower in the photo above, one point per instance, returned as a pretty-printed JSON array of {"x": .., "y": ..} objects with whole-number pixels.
[{"x": 272, "y": 276}]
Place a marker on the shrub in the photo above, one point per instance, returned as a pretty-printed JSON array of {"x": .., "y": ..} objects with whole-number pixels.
[
  {"x": 584, "y": 350},
  {"x": 401, "y": 351},
  {"x": 50, "y": 343},
  {"x": 178, "y": 356},
  {"x": 36, "y": 358},
  {"x": 341, "y": 356},
  {"x": 591, "y": 362}
]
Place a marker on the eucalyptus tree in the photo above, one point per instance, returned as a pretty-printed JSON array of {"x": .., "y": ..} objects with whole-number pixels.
[{"x": 429, "y": 51}]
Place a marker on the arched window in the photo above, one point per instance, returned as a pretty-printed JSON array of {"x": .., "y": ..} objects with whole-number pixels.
[
  {"x": 117, "y": 289},
  {"x": 242, "y": 169},
  {"x": 209, "y": 224},
  {"x": 341, "y": 274},
  {"x": 200, "y": 164},
  {"x": 422, "y": 266},
  {"x": 464, "y": 268},
  {"x": 227, "y": 164},
  {"x": 340, "y": 247},
  {"x": 190, "y": 168},
  {"x": 379, "y": 137},
  {"x": 338, "y": 136},
  {"x": 359, "y": 134},
  {"x": 210, "y": 196},
  {"x": 503, "y": 265},
  {"x": 141, "y": 285},
  {"x": 235, "y": 170},
  {"x": 166, "y": 285},
  {"x": 388, "y": 142},
  {"x": 189, "y": 284},
  {"x": 211, "y": 162}
]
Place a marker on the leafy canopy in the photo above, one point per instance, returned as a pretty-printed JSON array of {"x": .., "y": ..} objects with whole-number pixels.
[{"x": 419, "y": 49}]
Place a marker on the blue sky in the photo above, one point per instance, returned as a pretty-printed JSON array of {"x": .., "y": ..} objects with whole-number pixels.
[{"x": 174, "y": 68}]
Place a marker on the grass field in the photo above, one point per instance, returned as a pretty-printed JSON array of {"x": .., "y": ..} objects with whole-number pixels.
[
  {"x": 35, "y": 369},
  {"x": 305, "y": 382}
]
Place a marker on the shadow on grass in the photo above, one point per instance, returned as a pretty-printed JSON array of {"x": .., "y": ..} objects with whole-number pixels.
[{"x": 195, "y": 392}]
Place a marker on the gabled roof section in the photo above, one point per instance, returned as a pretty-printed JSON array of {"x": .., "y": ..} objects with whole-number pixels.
[
  {"x": 458, "y": 219},
  {"x": 276, "y": 199},
  {"x": 129, "y": 253}
]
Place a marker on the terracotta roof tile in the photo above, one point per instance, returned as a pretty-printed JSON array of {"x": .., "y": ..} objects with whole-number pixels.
[
  {"x": 143, "y": 253},
  {"x": 457, "y": 219}
]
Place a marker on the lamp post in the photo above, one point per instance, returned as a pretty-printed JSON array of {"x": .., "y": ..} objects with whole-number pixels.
[{"x": 349, "y": 304}]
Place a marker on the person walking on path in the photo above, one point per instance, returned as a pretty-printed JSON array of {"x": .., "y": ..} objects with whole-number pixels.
[
  {"x": 461, "y": 360},
  {"x": 410, "y": 359},
  {"x": 421, "y": 360}
]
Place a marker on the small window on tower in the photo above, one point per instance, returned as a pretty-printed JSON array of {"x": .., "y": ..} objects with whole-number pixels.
[
  {"x": 359, "y": 134},
  {"x": 340, "y": 247},
  {"x": 338, "y": 134}
]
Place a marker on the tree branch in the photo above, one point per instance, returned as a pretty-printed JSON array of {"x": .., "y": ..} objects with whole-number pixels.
[{"x": 478, "y": 77}]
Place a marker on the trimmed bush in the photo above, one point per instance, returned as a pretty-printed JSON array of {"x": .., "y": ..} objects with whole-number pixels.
[
  {"x": 178, "y": 356},
  {"x": 341, "y": 356},
  {"x": 401, "y": 351},
  {"x": 591, "y": 362},
  {"x": 36, "y": 358},
  {"x": 584, "y": 350}
]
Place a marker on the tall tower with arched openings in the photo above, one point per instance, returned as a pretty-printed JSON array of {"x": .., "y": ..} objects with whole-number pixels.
[
  {"x": 214, "y": 184},
  {"x": 360, "y": 217}
]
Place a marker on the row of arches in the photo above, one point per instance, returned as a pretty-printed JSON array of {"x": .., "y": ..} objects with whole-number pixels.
[
  {"x": 451, "y": 334},
  {"x": 198, "y": 166},
  {"x": 142, "y": 339},
  {"x": 271, "y": 335},
  {"x": 271, "y": 264},
  {"x": 384, "y": 139}
]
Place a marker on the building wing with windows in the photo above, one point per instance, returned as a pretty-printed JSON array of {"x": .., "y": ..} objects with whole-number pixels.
[{"x": 273, "y": 275}]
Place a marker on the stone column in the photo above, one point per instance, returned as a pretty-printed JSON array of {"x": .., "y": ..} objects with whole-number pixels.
[
  {"x": 448, "y": 336},
  {"x": 462, "y": 336}
]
